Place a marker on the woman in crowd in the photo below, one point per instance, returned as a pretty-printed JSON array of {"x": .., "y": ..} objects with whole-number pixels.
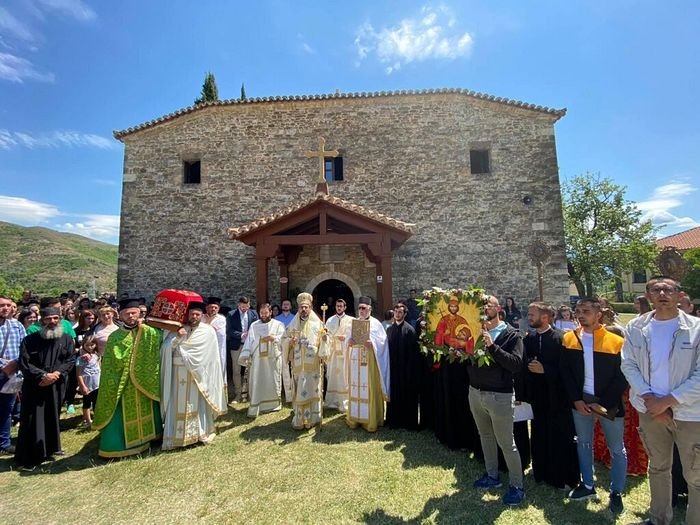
[
  {"x": 513, "y": 315},
  {"x": 86, "y": 326},
  {"x": 27, "y": 317},
  {"x": 70, "y": 315},
  {"x": 565, "y": 319},
  {"x": 105, "y": 327}
]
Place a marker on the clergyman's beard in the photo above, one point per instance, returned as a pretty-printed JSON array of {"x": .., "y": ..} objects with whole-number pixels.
[
  {"x": 52, "y": 333},
  {"x": 194, "y": 324},
  {"x": 265, "y": 320},
  {"x": 304, "y": 317}
]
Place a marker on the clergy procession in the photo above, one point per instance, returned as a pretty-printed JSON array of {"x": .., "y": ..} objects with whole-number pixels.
[{"x": 519, "y": 394}]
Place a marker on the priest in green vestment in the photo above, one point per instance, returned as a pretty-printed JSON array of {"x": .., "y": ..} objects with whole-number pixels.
[{"x": 128, "y": 411}]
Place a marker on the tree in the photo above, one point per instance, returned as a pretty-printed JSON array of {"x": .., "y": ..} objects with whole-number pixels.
[
  {"x": 605, "y": 233},
  {"x": 210, "y": 93},
  {"x": 691, "y": 282},
  {"x": 243, "y": 97}
]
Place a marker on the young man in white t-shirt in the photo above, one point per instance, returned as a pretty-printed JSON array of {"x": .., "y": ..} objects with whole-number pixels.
[{"x": 661, "y": 360}]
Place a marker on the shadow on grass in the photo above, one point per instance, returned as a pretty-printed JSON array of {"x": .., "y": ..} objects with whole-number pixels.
[{"x": 471, "y": 506}]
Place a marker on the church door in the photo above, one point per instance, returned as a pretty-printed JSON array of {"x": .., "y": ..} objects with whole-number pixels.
[{"x": 328, "y": 292}]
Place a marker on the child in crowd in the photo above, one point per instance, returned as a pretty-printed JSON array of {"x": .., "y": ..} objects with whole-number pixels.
[{"x": 88, "y": 372}]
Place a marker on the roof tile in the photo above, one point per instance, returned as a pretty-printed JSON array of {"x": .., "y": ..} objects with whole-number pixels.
[{"x": 558, "y": 113}]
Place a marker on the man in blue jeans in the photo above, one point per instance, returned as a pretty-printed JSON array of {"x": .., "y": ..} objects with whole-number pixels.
[
  {"x": 594, "y": 383},
  {"x": 491, "y": 402},
  {"x": 11, "y": 334}
]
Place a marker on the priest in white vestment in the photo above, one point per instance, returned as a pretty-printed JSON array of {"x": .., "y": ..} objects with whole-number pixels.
[
  {"x": 304, "y": 347},
  {"x": 368, "y": 372},
  {"x": 337, "y": 327},
  {"x": 218, "y": 323},
  {"x": 262, "y": 354},
  {"x": 192, "y": 389}
]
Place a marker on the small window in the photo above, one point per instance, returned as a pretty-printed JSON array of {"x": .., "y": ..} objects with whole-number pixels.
[
  {"x": 333, "y": 168},
  {"x": 192, "y": 171},
  {"x": 639, "y": 277},
  {"x": 480, "y": 161}
]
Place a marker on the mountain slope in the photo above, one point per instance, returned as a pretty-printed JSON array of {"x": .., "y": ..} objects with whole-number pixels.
[{"x": 48, "y": 261}]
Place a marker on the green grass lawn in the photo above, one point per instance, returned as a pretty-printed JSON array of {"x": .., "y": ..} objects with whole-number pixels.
[{"x": 262, "y": 471}]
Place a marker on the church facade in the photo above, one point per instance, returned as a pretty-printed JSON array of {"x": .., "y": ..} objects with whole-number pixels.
[{"x": 439, "y": 188}]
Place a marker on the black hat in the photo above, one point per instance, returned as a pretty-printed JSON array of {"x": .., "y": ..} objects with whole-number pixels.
[
  {"x": 196, "y": 305},
  {"x": 364, "y": 300},
  {"x": 128, "y": 303},
  {"x": 50, "y": 310},
  {"x": 214, "y": 300},
  {"x": 224, "y": 310}
]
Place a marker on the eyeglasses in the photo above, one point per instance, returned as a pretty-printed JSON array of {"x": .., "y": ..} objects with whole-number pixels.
[{"x": 665, "y": 289}]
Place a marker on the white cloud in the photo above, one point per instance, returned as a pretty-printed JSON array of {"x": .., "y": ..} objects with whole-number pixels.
[
  {"x": 433, "y": 34},
  {"x": 25, "y": 212},
  {"x": 665, "y": 198},
  {"x": 74, "y": 8},
  {"x": 14, "y": 28},
  {"x": 308, "y": 49},
  {"x": 18, "y": 69},
  {"x": 55, "y": 139},
  {"x": 101, "y": 227},
  {"x": 16, "y": 36}
]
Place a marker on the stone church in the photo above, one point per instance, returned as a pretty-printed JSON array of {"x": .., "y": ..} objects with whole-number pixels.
[{"x": 344, "y": 195}]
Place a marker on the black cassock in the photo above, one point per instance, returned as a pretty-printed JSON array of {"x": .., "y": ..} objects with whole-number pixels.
[
  {"x": 404, "y": 377},
  {"x": 39, "y": 434},
  {"x": 553, "y": 445}
]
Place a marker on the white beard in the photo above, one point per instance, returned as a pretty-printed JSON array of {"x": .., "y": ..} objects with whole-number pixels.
[{"x": 47, "y": 333}]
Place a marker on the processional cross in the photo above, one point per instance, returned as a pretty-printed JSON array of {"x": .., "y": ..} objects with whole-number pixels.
[{"x": 322, "y": 154}]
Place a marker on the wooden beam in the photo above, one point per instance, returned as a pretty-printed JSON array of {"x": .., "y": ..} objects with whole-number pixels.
[
  {"x": 261, "y": 284},
  {"x": 329, "y": 238},
  {"x": 384, "y": 286}
]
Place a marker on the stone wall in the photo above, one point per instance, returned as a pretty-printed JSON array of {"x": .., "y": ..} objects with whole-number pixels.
[{"x": 405, "y": 156}]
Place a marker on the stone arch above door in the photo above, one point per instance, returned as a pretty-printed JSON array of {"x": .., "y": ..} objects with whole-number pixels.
[{"x": 323, "y": 276}]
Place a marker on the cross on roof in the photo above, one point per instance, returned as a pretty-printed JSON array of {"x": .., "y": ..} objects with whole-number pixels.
[{"x": 322, "y": 154}]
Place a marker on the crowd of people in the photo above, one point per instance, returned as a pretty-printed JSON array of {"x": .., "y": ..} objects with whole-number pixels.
[{"x": 595, "y": 389}]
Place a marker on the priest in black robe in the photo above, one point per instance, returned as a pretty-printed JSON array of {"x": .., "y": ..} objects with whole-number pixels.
[
  {"x": 46, "y": 357},
  {"x": 405, "y": 372},
  {"x": 553, "y": 445}
]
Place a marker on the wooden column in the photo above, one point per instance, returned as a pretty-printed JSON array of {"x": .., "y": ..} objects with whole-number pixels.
[
  {"x": 261, "y": 284},
  {"x": 384, "y": 292}
]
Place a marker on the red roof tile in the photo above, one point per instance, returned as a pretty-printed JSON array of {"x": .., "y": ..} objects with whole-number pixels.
[
  {"x": 236, "y": 233},
  {"x": 682, "y": 240},
  {"x": 558, "y": 113}
]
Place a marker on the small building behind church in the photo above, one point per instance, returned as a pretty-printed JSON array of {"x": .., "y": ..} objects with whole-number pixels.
[{"x": 410, "y": 189}]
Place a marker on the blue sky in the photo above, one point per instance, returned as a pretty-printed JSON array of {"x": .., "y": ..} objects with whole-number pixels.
[{"x": 72, "y": 71}]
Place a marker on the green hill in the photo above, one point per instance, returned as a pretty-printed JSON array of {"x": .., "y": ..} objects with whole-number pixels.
[{"x": 51, "y": 262}]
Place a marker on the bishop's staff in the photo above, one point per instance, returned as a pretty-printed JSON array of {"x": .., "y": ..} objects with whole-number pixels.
[{"x": 324, "y": 337}]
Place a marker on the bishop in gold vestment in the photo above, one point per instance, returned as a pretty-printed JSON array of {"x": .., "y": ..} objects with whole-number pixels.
[{"x": 305, "y": 349}]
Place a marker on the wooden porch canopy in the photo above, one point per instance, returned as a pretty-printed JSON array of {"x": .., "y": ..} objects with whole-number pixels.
[{"x": 323, "y": 220}]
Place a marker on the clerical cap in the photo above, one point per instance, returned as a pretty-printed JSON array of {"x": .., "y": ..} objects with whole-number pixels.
[
  {"x": 50, "y": 310},
  {"x": 364, "y": 300},
  {"x": 129, "y": 303},
  {"x": 214, "y": 300},
  {"x": 196, "y": 305},
  {"x": 305, "y": 298},
  {"x": 224, "y": 310},
  {"x": 454, "y": 300}
]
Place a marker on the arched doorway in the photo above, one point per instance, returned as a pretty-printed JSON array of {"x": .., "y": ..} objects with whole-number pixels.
[{"x": 328, "y": 292}]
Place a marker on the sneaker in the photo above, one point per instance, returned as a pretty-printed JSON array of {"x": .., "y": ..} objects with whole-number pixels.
[
  {"x": 615, "y": 505},
  {"x": 582, "y": 492},
  {"x": 514, "y": 496},
  {"x": 70, "y": 410},
  {"x": 487, "y": 482}
]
